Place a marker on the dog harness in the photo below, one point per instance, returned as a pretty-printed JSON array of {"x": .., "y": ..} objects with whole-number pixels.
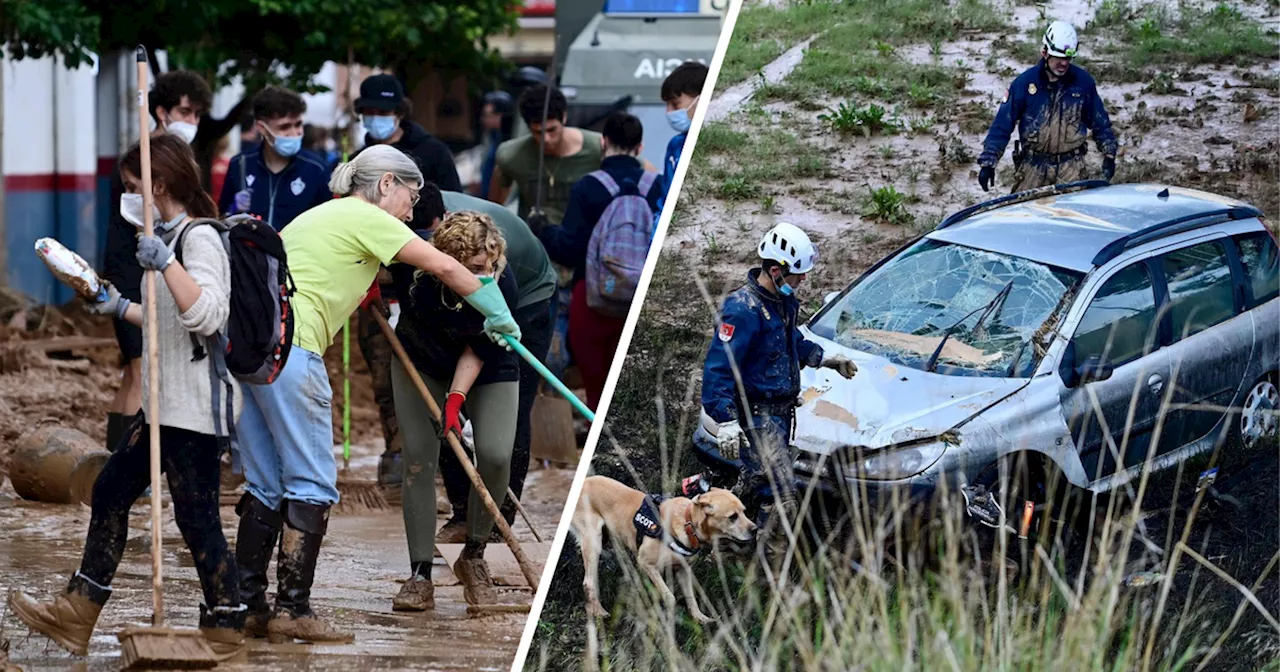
[{"x": 648, "y": 522}]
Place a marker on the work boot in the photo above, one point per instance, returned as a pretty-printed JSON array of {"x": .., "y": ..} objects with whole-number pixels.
[
  {"x": 473, "y": 572},
  {"x": 255, "y": 541},
  {"x": 417, "y": 594},
  {"x": 223, "y": 629},
  {"x": 453, "y": 532},
  {"x": 304, "y": 529},
  {"x": 69, "y": 618},
  {"x": 390, "y": 470}
]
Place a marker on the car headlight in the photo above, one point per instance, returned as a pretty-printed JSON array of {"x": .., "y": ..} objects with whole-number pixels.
[{"x": 894, "y": 463}]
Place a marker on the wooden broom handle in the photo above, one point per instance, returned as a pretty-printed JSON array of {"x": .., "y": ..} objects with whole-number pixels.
[
  {"x": 153, "y": 369},
  {"x": 526, "y": 567}
]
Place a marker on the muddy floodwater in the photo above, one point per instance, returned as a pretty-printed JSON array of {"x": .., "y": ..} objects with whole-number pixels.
[{"x": 363, "y": 559}]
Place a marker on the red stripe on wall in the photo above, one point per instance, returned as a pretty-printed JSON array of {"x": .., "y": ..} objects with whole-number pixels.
[{"x": 51, "y": 182}]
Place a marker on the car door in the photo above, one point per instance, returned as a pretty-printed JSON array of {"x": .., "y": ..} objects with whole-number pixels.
[
  {"x": 1120, "y": 325},
  {"x": 1210, "y": 339}
]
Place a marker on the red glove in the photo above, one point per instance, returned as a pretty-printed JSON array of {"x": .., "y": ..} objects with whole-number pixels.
[
  {"x": 452, "y": 405},
  {"x": 373, "y": 298}
]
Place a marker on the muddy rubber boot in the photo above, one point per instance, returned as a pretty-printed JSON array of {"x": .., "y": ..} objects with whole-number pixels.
[
  {"x": 304, "y": 529},
  {"x": 390, "y": 470},
  {"x": 223, "y": 629},
  {"x": 69, "y": 618},
  {"x": 473, "y": 572},
  {"x": 417, "y": 594},
  {"x": 453, "y": 532},
  {"x": 255, "y": 541}
]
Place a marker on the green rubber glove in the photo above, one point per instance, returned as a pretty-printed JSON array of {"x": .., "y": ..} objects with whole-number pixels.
[{"x": 497, "y": 316}]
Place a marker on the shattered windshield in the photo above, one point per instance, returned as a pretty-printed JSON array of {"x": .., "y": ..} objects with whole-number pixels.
[{"x": 992, "y": 304}]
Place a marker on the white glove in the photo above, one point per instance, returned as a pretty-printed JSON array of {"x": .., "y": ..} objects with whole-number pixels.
[
  {"x": 841, "y": 364},
  {"x": 729, "y": 438}
]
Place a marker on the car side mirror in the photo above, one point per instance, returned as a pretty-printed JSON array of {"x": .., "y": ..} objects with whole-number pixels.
[{"x": 1093, "y": 370}]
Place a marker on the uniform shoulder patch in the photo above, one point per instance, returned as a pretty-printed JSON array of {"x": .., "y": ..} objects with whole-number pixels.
[{"x": 726, "y": 331}]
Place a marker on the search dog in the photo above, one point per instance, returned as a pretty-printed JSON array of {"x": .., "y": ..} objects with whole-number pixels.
[{"x": 658, "y": 534}]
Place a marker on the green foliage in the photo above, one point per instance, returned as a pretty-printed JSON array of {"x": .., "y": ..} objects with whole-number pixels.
[
  {"x": 258, "y": 38},
  {"x": 1157, "y": 34},
  {"x": 868, "y": 120},
  {"x": 886, "y": 204}
]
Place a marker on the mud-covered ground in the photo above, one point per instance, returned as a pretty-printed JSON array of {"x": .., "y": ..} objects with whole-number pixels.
[
  {"x": 363, "y": 559},
  {"x": 1193, "y": 91}
]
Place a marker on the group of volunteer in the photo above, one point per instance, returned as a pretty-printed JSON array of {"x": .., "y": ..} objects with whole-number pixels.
[{"x": 390, "y": 224}]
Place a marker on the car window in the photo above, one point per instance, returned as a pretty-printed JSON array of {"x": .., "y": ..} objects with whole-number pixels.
[
  {"x": 1200, "y": 288},
  {"x": 1261, "y": 266},
  {"x": 1119, "y": 324}
]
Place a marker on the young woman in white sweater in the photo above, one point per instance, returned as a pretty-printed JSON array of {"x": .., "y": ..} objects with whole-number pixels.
[{"x": 192, "y": 297}]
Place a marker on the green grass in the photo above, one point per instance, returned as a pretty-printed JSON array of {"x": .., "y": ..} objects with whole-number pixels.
[
  {"x": 1152, "y": 34},
  {"x": 886, "y": 204},
  {"x": 763, "y": 33},
  {"x": 747, "y": 165}
]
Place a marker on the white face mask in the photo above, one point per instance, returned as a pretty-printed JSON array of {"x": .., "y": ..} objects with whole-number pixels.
[
  {"x": 182, "y": 129},
  {"x": 131, "y": 209}
]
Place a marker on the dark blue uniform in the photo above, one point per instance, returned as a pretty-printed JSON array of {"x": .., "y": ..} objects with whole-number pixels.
[
  {"x": 761, "y": 331},
  {"x": 277, "y": 197},
  {"x": 1054, "y": 120}
]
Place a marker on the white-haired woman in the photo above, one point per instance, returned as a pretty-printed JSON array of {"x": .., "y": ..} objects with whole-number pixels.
[{"x": 285, "y": 429}]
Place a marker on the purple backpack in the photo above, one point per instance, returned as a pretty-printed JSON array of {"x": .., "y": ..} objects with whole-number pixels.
[{"x": 619, "y": 246}]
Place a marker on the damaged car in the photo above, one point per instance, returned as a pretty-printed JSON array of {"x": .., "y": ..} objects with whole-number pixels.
[{"x": 1087, "y": 328}]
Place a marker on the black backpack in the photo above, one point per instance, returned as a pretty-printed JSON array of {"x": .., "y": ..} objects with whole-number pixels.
[
  {"x": 259, "y": 331},
  {"x": 255, "y": 345}
]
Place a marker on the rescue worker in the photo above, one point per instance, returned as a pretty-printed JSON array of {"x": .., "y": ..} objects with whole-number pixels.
[
  {"x": 758, "y": 335},
  {"x": 1054, "y": 105}
]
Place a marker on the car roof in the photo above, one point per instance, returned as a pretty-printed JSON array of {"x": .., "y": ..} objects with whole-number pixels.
[{"x": 1069, "y": 230}]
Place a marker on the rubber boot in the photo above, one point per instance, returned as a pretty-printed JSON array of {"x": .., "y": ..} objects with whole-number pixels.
[
  {"x": 390, "y": 470},
  {"x": 304, "y": 528},
  {"x": 115, "y": 430},
  {"x": 223, "y": 629},
  {"x": 473, "y": 571},
  {"x": 69, "y": 618},
  {"x": 255, "y": 541}
]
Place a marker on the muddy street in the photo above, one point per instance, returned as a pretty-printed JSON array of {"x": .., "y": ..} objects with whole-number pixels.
[
  {"x": 364, "y": 557},
  {"x": 362, "y": 562}
]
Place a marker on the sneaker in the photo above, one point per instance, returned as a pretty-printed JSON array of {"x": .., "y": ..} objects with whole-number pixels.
[
  {"x": 417, "y": 594},
  {"x": 453, "y": 532},
  {"x": 473, "y": 571}
]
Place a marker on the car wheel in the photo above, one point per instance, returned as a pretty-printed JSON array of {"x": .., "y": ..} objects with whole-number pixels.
[{"x": 1258, "y": 421}]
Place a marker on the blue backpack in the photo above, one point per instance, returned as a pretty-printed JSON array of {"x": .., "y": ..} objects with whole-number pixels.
[{"x": 619, "y": 246}]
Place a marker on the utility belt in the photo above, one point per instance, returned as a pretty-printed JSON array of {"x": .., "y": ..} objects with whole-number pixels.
[
  {"x": 781, "y": 408},
  {"x": 1022, "y": 155}
]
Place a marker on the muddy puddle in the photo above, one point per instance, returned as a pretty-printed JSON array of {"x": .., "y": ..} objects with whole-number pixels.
[{"x": 363, "y": 560}]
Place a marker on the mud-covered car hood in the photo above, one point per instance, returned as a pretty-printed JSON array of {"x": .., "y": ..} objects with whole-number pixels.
[{"x": 886, "y": 404}]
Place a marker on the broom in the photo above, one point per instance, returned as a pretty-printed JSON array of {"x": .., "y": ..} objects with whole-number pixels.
[
  {"x": 354, "y": 495},
  {"x": 156, "y": 646},
  {"x": 477, "y": 483}
]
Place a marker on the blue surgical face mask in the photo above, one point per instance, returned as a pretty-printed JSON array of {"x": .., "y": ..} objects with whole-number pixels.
[
  {"x": 679, "y": 120},
  {"x": 379, "y": 128},
  {"x": 287, "y": 146},
  {"x": 785, "y": 289}
]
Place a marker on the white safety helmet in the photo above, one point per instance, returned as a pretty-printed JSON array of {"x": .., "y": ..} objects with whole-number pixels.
[
  {"x": 1060, "y": 40},
  {"x": 789, "y": 246}
]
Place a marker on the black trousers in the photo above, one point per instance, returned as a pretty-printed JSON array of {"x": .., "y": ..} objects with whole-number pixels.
[
  {"x": 535, "y": 322},
  {"x": 190, "y": 460}
]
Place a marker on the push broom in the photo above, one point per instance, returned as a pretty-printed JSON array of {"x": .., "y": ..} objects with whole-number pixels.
[{"x": 156, "y": 646}]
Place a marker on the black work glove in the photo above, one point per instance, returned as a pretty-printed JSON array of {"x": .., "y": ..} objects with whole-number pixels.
[
  {"x": 538, "y": 221},
  {"x": 986, "y": 177},
  {"x": 1108, "y": 167}
]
